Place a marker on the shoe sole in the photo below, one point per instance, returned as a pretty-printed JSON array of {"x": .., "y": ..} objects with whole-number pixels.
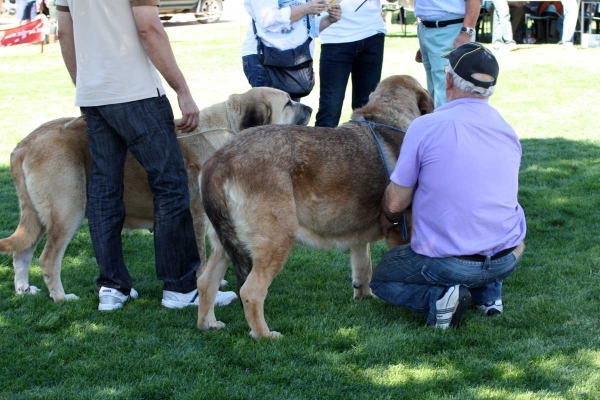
[
  {"x": 177, "y": 304},
  {"x": 464, "y": 301},
  {"x": 109, "y": 307}
]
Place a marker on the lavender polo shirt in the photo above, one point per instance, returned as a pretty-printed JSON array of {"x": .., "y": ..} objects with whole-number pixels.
[{"x": 464, "y": 161}]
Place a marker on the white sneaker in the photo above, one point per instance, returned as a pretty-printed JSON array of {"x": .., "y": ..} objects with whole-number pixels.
[
  {"x": 492, "y": 308},
  {"x": 180, "y": 300},
  {"x": 451, "y": 307},
  {"x": 225, "y": 298},
  {"x": 111, "y": 299}
]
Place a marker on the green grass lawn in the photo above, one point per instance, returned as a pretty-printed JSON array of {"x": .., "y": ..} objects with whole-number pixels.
[{"x": 545, "y": 346}]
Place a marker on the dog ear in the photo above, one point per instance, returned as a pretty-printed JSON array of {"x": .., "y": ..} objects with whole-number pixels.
[
  {"x": 256, "y": 114},
  {"x": 425, "y": 102}
]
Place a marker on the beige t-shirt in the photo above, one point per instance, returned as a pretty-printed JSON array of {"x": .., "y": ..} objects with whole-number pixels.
[{"x": 112, "y": 64}]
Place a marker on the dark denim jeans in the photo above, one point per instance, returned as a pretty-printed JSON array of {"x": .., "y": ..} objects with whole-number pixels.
[
  {"x": 256, "y": 74},
  {"x": 363, "y": 59},
  {"x": 146, "y": 129},
  {"x": 405, "y": 278}
]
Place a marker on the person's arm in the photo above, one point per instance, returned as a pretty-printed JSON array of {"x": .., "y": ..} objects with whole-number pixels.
[
  {"x": 395, "y": 201},
  {"x": 472, "y": 9},
  {"x": 157, "y": 45},
  {"x": 67, "y": 41}
]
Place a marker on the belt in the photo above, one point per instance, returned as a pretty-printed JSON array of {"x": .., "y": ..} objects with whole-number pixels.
[
  {"x": 441, "y": 24},
  {"x": 481, "y": 258}
]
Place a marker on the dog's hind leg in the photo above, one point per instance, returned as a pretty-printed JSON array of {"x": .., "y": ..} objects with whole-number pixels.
[
  {"x": 274, "y": 233},
  {"x": 21, "y": 264},
  {"x": 362, "y": 270},
  {"x": 208, "y": 284},
  {"x": 58, "y": 237}
]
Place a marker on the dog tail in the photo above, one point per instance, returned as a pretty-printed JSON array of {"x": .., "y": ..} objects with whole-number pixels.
[
  {"x": 214, "y": 197},
  {"x": 30, "y": 227}
]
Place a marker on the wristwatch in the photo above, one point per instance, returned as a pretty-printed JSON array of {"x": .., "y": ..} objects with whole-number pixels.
[{"x": 468, "y": 31}]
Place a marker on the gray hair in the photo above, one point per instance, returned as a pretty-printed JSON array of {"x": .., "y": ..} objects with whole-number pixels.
[{"x": 468, "y": 87}]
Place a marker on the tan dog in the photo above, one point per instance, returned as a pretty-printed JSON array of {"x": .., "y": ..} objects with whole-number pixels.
[
  {"x": 321, "y": 187},
  {"x": 49, "y": 168}
]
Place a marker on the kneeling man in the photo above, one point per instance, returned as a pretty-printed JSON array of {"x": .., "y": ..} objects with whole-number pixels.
[{"x": 459, "y": 168}]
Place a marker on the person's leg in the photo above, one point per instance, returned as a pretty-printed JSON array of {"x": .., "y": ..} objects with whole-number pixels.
[
  {"x": 105, "y": 208},
  {"x": 335, "y": 65},
  {"x": 503, "y": 14},
  {"x": 398, "y": 280},
  {"x": 571, "y": 9},
  {"x": 148, "y": 129},
  {"x": 366, "y": 69},
  {"x": 416, "y": 282},
  {"x": 255, "y": 72},
  {"x": 435, "y": 42},
  {"x": 496, "y": 272},
  {"x": 497, "y": 41},
  {"x": 517, "y": 16}
]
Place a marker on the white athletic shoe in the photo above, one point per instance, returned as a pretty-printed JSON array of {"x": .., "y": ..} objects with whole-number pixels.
[
  {"x": 111, "y": 299},
  {"x": 180, "y": 300},
  {"x": 451, "y": 307},
  {"x": 492, "y": 308}
]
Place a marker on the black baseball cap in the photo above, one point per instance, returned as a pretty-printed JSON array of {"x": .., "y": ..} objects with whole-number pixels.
[{"x": 473, "y": 58}]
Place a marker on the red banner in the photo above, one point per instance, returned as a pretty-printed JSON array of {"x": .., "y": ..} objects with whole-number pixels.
[{"x": 32, "y": 32}]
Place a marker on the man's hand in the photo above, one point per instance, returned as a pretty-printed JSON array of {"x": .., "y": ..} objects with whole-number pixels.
[
  {"x": 385, "y": 224},
  {"x": 461, "y": 39},
  {"x": 335, "y": 13},
  {"x": 315, "y": 6},
  {"x": 419, "y": 56},
  {"x": 190, "y": 113}
]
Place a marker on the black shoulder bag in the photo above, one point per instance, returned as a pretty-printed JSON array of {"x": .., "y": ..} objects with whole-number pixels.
[{"x": 288, "y": 70}]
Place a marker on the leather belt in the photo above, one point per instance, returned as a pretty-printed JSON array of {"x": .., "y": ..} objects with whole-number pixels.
[
  {"x": 441, "y": 24},
  {"x": 481, "y": 258}
]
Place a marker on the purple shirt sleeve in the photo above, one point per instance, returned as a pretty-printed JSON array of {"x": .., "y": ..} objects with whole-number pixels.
[{"x": 406, "y": 171}]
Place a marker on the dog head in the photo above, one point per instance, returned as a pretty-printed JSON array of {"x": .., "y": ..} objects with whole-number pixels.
[
  {"x": 265, "y": 106},
  {"x": 402, "y": 98}
]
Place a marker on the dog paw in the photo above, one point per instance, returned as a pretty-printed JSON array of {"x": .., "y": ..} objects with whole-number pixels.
[
  {"x": 211, "y": 326},
  {"x": 269, "y": 335},
  {"x": 363, "y": 293},
  {"x": 58, "y": 297},
  {"x": 26, "y": 289}
]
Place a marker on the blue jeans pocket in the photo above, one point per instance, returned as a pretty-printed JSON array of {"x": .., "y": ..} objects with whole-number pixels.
[{"x": 450, "y": 271}]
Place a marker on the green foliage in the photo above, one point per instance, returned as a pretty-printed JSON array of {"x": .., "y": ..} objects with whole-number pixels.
[{"x": 545, "y": 346}]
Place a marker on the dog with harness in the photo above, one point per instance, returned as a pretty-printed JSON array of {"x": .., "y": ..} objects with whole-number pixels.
[{"x": 271, "y": 187}]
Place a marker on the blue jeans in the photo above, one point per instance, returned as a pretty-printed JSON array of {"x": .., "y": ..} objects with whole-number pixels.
[
  {"x": 363, "y": 59},
  {"x": 413, "y": 281},
  {"x": 256, "y": 74},
  {"x": 146, "y": 129}
]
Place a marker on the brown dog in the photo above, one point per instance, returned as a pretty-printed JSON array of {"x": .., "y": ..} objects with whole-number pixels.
[
  {"x": 320, "y": 187},
  {"x": 49, "y": 168}
]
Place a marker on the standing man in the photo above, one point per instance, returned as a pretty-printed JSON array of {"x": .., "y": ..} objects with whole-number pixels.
[
  {"x": 352, "y": 46},
  {"x": 502, "y": 29},
  {"x": 112, "y": 50},
  {"x": 459, "y": 167},
  {"x": 444, "y": 25},
  {"x": 571, "y": 12}
]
